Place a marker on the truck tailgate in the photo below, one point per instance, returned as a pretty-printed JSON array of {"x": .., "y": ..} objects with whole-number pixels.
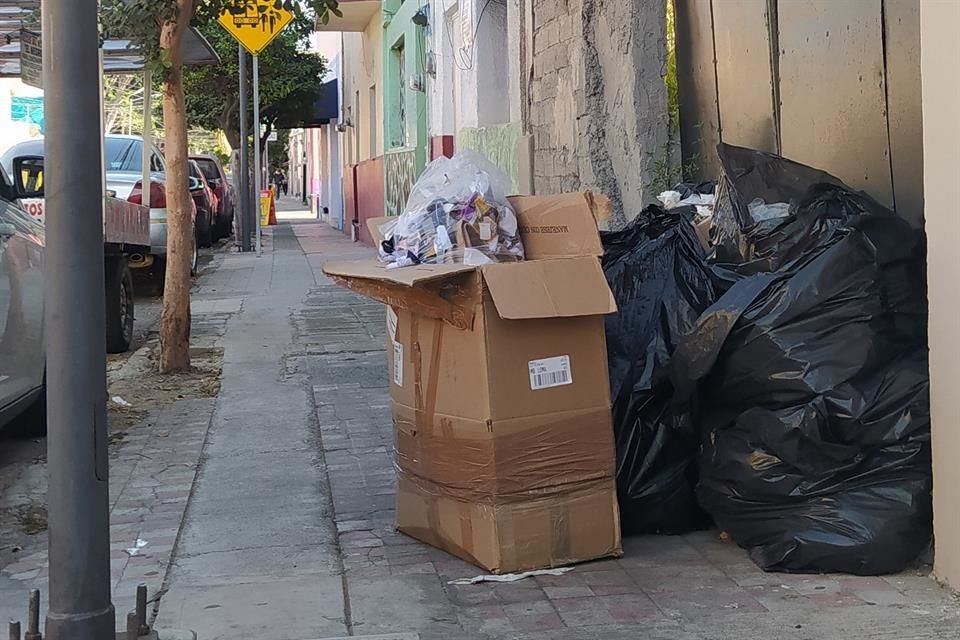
[{"x": 126, "y": 223}]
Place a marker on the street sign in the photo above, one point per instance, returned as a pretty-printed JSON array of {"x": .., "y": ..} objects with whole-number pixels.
[
  {"x": 273, "y": 137},
  {"x": 255, "y": 23},
  {"x": 31, "y": 58}
]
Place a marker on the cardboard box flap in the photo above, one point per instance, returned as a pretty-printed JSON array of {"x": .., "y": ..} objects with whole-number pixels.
[
  {"x": 373, "y": 226},
  {"x": 561, "y": 288},
  {"x": 407, "y": 276},
  {"x": 447, "y": 292},
  {"x": 560, "y": 226}
]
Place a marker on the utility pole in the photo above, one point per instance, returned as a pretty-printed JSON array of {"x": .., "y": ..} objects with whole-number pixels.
[
  {"x": 79, "y": 531},
  {"x": 256, "y": 145},
  {"x": 243, "y": 223}
]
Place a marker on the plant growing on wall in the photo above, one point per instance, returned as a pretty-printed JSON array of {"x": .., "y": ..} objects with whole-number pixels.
[{"x": 158, "y": 28}]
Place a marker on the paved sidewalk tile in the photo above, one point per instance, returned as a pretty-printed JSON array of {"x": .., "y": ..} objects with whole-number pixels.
[{"x": 687, "y": 587}]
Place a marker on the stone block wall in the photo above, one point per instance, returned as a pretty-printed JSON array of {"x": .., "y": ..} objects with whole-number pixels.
[{"x": 598, "y": 107}]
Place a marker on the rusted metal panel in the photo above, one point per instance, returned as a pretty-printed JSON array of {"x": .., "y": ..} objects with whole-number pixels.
[
  {"x": 905, "y": 105},
  {"x": 125, "y": 223},
  {"x": 697, "y": 85},
  {"x": 745, "y": 84},
  {"x": 832, "y": 90}
]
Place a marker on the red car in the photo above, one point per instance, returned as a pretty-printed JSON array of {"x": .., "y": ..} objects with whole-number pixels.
[
  {"x": 217, "y": 179},
  {"x": 206, "y": 200}
]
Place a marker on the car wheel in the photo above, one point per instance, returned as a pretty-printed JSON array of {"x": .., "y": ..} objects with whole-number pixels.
[
  {"x": 120, "y": 305},
  {"x": 204, "y": 228}
]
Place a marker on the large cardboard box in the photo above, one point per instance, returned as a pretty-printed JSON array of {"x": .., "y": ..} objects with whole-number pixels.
[{"x": 503, "y": 434}]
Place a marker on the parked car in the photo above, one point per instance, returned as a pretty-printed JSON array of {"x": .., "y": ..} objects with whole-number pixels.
[
  {"x": 224, "y": 190},
  {"x": 123, "y": 156},
  {"x": 22, "y": 354},
  {"x": 205, "y": 200},
  {"x": 159, "y": 190}
]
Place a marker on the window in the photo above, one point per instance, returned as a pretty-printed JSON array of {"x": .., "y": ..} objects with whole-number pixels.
[
  {"x": 372, "y": 117},
  {"x": 402, "y": 70},
  {"x": 156, "y": 163},
  {"x": 356, "y": 127},
  {"x": 122, "y": 154}
]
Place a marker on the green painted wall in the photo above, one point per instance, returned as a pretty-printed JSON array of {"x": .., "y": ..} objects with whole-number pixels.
[{"x": 405, "y": 110}]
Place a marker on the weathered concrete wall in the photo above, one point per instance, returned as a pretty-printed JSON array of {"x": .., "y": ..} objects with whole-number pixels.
[
  {"x": 939, "y": 24},
  {"x": 598, "y": 101}
]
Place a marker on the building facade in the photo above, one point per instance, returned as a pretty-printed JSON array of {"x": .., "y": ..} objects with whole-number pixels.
[
  {"x": 361, "y": 125},
  {"x": 405, "y": 102}
]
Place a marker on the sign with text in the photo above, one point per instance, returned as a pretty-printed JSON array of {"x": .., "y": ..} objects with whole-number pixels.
[
  {"x": 255, "y": 23},
  {"x": 31, "y": 58}
]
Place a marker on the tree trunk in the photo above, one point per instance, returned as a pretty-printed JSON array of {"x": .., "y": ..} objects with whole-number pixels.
[
  {"x": 175, "y": 317},
  {"x": 266, "y": 134},
  {"x": 229, "y": 123},
  {"x": 231, "y": 129}
]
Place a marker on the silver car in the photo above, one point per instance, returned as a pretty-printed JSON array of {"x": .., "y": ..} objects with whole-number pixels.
[
  {"x": 22, "y": 354},
  {"x": 124, "y": 170}
]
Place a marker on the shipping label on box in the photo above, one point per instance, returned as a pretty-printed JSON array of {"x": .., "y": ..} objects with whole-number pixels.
[
  {"x": 397, "y": 363},
  {"x": 550, "y": 372}
]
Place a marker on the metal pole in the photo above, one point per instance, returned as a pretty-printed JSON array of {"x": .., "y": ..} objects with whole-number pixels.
[
  {"x": 145, "y": 173},
  {"x": 243, "y": 223},
  {"x": 256, "y": 143},
  {"x": 77, "y": 494}
]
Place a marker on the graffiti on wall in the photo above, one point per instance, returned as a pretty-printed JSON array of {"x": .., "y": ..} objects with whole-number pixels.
[
  {"x": 30, "y": 111},
  {"x": 400, "y": 168},
  {"x": 498, "y": 144}
]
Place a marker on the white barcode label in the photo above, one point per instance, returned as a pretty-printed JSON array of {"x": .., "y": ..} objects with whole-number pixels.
[
  {"x": 550, "y": 372},
  {"x": 397, "y": 364},
  {"x": 486, "y": 231},
  {"x": 392, "y": 323}
]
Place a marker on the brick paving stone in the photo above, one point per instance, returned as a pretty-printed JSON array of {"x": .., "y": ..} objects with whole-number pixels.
[{"x": 694, "y": 587}]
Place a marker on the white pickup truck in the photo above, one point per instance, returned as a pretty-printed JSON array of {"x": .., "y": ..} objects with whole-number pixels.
[{"x": 126, "y": 239}]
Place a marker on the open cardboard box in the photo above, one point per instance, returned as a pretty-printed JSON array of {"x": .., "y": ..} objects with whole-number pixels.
[{"x": 503, "y": 434}]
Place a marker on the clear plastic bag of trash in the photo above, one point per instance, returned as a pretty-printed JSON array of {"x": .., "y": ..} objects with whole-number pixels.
[{"x": 457, "y": 212}]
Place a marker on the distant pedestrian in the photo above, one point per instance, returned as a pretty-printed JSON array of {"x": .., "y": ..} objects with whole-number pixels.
[{"x": 278, "y": 181}]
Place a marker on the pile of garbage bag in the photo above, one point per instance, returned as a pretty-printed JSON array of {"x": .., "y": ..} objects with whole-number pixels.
[
  {"x": 808, "y": 373},
  {"x": 656, "y": 270},
  {"x": 457, "y": 212}
]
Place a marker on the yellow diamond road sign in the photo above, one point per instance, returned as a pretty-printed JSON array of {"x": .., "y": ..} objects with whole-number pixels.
[{"x": 255, "y": 23}]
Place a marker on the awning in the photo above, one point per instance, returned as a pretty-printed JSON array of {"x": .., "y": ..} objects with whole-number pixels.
[
  {"x": 324, "y": 109},
  {"x": 119, "y": 56}
]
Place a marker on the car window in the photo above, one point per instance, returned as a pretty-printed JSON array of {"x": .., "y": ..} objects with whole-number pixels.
[
  {"x": 122, "y": 154},
  {"x": 209, "y": 168},
  {"x": 156, "y": 163},
  {"x": 28, "y": 148}
]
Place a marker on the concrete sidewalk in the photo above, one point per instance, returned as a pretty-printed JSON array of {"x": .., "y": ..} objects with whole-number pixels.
[{"x": 288, "y": 534}]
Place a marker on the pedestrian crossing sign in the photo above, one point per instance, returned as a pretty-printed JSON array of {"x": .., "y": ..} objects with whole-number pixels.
[{"x": 255, "y": 23}]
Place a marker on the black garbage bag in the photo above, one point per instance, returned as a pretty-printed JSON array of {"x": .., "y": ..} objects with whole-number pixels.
[
  {"x": 811, "y": 375},
  {"x": 656, "y": 270},
  {"x": 689, "y": 189}
]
